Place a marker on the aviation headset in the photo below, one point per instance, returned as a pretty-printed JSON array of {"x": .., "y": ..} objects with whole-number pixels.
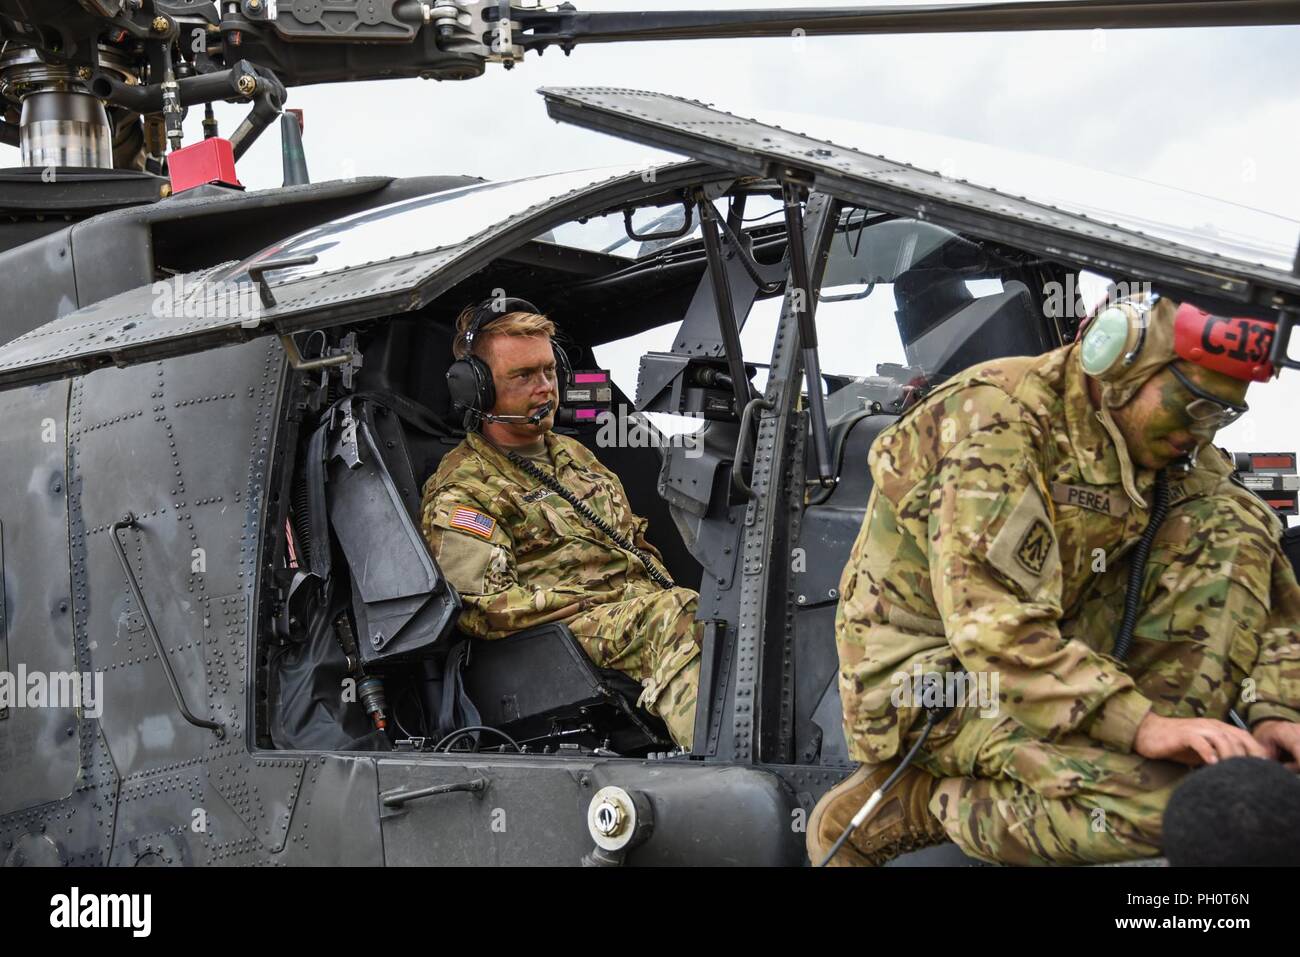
[
  {"x": 1113, "y": 341},
  {"x": 1114, "y": 338},
  {"x": 469, "y": 380}
]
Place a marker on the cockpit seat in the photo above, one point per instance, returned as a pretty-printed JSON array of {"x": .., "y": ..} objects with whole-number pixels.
[
  {"x": 539, "y": 685},
  {"x": 358, "y": 473}
]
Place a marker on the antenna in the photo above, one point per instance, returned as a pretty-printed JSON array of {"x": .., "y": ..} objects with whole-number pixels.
[{"x": 291, "y": 149}]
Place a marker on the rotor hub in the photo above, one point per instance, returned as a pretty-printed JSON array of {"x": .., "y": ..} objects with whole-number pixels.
[{"x": 61, "y": 122}]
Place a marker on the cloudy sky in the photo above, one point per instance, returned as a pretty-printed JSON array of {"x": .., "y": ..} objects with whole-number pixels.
[{"x": 1210, "y": 111}]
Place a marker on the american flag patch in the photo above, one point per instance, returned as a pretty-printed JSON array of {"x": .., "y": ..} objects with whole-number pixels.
[{"x": 472, "y": 521}]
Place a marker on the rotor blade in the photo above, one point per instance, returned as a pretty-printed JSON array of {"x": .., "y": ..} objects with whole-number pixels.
[{"x": 571, "y": 27}]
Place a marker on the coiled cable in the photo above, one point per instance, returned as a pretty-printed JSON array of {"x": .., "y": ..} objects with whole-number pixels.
[
  {"x": 660, "y": 577},
  {"x": 1137, "y": 569}
]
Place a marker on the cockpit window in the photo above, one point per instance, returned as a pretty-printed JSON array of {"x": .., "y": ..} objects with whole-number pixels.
[
  {"x": 421, "y": 224},
  {"x": 608, "y": 233},
  {"x": 906, "y": 304}
]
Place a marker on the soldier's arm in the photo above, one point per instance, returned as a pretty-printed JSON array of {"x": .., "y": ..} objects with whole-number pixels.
[
  {"x": 477, "y": 556},
  {"x": 995, "y": 570},
  {"x": 1273, "y": 689},
  {"x": 643, "y": 543}
]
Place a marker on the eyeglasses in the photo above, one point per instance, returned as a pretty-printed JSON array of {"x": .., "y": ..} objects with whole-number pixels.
[{"x": 1206, "y": 409}]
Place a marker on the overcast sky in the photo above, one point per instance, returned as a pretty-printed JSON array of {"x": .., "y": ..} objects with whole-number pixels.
[{"x": 1216, "y": 112}]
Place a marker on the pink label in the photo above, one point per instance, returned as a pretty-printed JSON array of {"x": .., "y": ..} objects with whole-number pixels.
[
  {"x": 591, "y": 377},
  {"x": 585, "y": 413}
]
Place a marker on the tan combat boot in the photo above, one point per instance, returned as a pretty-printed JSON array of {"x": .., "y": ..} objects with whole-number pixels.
[{"x": 901, "y": 822}]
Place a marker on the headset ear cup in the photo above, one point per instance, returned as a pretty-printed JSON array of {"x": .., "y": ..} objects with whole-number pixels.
[
  {"x": 563, "y": 368},
  {"x": 485, "y": 387},
  {"x": 1112, "y": 335},
  {"x": 461, "y": 386},
  {"x": 470, "y": 385}
]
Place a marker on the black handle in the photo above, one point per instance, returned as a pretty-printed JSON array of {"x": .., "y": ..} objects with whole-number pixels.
[
  {"x": 257, "y": 272},
  {"x": 1282, "y": 342},
  {"x": 667, "y": 234},
  {"x": 128, "y": 521},
  {"x": 742, "y": 445},
  {"x": 398, "y": 798}
]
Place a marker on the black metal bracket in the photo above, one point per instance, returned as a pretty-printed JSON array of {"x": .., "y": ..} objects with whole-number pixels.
[
  {"x": 398, "y": 798},
  {"x": 849, "y": 296},
  {"x": 129, "y": 521},
  {"x": 747, "y": 260},
  {"x": 268, "y": 102},
  {"x": 1279, "y": 355},
  {"x": 258, "y": 271},
  {"x": 803, "y": 301},
  {"x": 742, "y": 446},
  {"x": 726, "y": 307},
  {"x": 301, "y": 364}
]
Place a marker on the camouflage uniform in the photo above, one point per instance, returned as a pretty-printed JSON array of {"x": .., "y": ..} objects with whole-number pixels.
[
  {"x": 528, "y": 559},
  {"x": 995, "y": 540}
]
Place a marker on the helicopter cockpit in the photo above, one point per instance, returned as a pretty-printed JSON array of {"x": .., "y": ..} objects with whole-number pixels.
[
  {"x": 363, "y": 607},
  {"x": 364, "y": 604}
]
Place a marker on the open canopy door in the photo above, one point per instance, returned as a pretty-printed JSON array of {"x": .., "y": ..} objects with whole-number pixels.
[{"x": 873, "y": 182}]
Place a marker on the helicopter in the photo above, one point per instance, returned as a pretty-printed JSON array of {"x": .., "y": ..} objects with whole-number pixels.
[{"x": 219, "y": 408}]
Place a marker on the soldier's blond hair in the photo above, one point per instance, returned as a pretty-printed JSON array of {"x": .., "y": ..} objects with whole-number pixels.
[{"x": 511, "y": 324}]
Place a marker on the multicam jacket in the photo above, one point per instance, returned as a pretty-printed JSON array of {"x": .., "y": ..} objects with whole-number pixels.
[
  {"x": 997, "y": 502},
  {"x": 518, "y": 553}
]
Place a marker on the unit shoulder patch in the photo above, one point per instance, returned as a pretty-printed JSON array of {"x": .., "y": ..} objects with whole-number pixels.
[
  {"x": 1024, "y": 549},
  {"x": 1035, "y": 545}
]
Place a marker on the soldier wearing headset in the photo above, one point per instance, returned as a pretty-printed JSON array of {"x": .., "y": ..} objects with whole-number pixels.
[
  {"x": 1063, "y": 523},
  {"x": 532, "y": 529}
]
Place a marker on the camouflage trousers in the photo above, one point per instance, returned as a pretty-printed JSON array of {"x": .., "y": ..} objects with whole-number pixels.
[
  {"x": 1007, "y": 796},
  {"x": 655, "y": 639}
]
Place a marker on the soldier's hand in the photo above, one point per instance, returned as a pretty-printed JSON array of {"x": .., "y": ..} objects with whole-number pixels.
[
  {"x": 1193, "y": 741},
  {"x": 1281, "y": 739}
]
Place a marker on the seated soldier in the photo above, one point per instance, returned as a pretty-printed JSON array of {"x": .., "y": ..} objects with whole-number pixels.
[
  {"x": 999, "y": 539},
  {"x": 520, "y": 553}
]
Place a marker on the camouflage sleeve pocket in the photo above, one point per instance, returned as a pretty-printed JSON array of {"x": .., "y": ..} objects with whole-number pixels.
[{"x": 473, "y": 566}]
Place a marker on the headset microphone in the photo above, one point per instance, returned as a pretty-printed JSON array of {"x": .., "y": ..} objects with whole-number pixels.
[{"x": 534, "y": 419}]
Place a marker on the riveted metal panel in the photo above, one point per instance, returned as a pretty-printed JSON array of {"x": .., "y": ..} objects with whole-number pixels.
[
  {"x": 874, "y": 182},
  {"x": 533, "y": 810},
  {"x": 38, "y": 745},
  {"x": 337, "y": 819}
]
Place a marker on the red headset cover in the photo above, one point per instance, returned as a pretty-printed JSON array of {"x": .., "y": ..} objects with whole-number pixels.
[{"x": 1236, "y": 346}]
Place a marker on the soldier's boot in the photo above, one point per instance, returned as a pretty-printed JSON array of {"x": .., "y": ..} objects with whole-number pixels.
[
  {"x": 901, "y": 822},
  {"x": 676, "y": 704}
]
